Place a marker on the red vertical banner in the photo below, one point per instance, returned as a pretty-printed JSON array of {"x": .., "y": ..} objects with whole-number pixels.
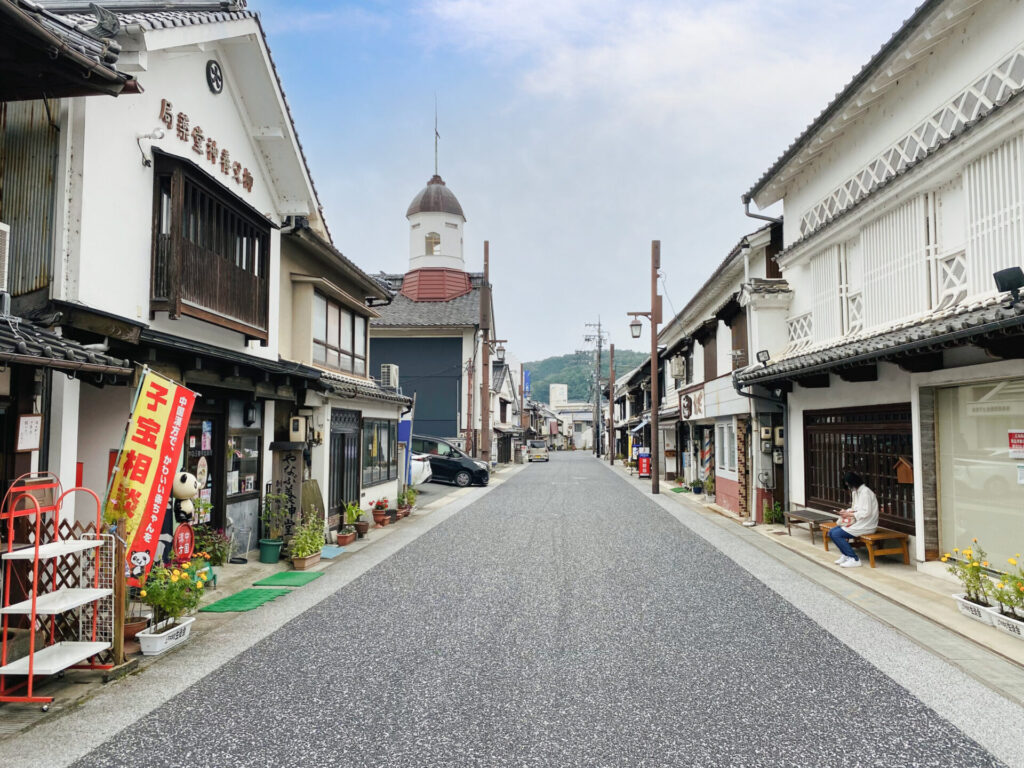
[{"x": 140, "y": 486}]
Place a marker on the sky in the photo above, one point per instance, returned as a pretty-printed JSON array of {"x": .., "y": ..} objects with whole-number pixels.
[{"x": 573, "y": 134}]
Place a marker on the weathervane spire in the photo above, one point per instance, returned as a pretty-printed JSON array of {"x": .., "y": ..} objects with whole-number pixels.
[{"x": 436, "y": 134}]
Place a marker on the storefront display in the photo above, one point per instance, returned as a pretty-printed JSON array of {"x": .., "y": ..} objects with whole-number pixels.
[{"x": 981, "y": 483}]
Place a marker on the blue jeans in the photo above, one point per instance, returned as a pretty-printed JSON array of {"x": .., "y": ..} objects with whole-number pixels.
[{"x": 842, "y": 541}]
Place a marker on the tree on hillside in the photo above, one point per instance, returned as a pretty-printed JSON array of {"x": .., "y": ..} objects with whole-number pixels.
[{"x": 576, "y": 370}]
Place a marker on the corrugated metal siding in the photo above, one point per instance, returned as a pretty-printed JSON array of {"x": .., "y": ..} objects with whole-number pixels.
[{"x": 28, "y": 168}]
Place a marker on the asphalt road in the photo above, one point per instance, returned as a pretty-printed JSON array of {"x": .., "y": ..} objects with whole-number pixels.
[{"x": 561, "y": 620}]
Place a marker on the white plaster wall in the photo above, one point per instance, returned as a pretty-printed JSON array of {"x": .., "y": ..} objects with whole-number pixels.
[
  {"x": 63, "y": 426},
  {"x": 724, "y": 348},
  {"x": 991, "y": 32},
  {"x": 451, "y": 240},
  {"x": 104, "y": 415},
  {"x": 558, "y": 395},
  {"x": 114, "y": 245},
  {"x": 720, "y": 398},
  {"x": 893, "y": 386}
]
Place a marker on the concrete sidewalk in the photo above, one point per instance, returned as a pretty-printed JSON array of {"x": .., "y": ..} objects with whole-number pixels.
[
  {"x": 75, "y": 687},
  {"x": 912, "y": 599}
]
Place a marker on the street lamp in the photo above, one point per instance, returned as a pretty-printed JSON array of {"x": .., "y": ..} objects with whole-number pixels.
[
  {"x": 634, "y": 329},
  {"x": 499, "y": 354}
]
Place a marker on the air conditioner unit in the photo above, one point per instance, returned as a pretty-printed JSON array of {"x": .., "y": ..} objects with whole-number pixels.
[
  {"x": 389, "y": 375},
  {"x": 677, "y": 367},
  {"x": 5, "y": 242}
]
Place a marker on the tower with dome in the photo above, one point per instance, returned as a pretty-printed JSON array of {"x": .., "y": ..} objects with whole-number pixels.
[{"x": 431, "y": 329}]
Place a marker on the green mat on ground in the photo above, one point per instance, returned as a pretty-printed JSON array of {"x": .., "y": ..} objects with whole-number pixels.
[
  {"x": 245, "y": 600},
  {"x": 288, "y": 579},
  {"x": 680, "y": 490}
]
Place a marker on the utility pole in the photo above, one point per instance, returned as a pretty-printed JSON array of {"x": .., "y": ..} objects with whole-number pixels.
[
  {"x": 611, "y": 404},
  {"x": 635, "y": 329},
  {"x": 599, "y": 338},
  {"x": 485, "y": 376}
]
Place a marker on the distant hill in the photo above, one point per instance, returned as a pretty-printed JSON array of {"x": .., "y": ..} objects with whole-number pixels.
[{"x": 576, "y": 371}]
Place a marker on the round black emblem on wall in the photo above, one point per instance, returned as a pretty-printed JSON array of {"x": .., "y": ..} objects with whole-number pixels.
[{"x": 214, "y": 76}]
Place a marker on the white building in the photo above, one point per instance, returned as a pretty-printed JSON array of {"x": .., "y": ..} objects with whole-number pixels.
[{"x": 902, "y": 200}]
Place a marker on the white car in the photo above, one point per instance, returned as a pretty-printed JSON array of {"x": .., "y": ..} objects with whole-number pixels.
[{"x": 420, "y": 469}]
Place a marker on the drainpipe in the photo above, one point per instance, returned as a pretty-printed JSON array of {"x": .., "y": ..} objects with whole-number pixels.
[{"x": 746, "y": 212}]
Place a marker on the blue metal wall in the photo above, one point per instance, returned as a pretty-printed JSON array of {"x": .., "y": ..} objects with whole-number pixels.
[{"x": 432, "y": 368}]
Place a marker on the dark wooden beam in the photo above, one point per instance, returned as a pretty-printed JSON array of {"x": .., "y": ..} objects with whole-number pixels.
[
  {"x": 1006, "y": 347},
  {"x": 930, "y": 361},
  {"x": 859, "y": 373},
  {"x": 814, "y": 381}
]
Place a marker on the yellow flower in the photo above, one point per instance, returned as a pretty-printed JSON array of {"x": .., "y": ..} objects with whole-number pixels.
[
  {"x": 142, "y": 593},
  {"x": 956, "y": 549},
  {"x": 174, "y": 578},
  {"x": 944, "y": 558},
  {"x": 199, "y": 585},
  {"x": 1012, "y": 561},
  {"x": 984, "y": 563},
  {"x": 175, "y": 572},
  {"x": 186, "y": 566},
  {"x": 204, "y": 575},
  {"x": 974, "y": 540}
]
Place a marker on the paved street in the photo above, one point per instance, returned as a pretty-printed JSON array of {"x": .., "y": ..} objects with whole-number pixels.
[{"x": 562, "y": 619}]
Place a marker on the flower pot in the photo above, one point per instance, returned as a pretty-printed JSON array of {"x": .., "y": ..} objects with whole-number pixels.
[
  {"x": 164, "y": 636},
  {"x": 270, "y": 550},
  {"x": 346, "y": 538},
  {"x": 1007, "y": 624},
  {"x": 133, "y": 625},
  {"x": 405, "y": 511},
  {"x": 305, "y": 563},
  {"x": 361, "y": 526},
  {"x": 973, "y": 610},
  {"x": 385, "y": 520},
  {"x": 379, "y": 515}
]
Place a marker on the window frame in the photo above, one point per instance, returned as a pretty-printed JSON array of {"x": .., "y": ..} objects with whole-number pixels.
[
  {"x": 355, "y": 358},
  {"x": 383, "y": 467}
]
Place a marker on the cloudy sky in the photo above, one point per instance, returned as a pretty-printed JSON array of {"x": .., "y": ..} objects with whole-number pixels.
[{"x": 572, "y": 132}]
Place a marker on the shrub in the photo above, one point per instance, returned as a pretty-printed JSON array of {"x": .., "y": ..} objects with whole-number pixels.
[
  {"x": 173, "y": 591},
  {"x": 969, "y": 567},
  {"x": 308, "y": 538}
]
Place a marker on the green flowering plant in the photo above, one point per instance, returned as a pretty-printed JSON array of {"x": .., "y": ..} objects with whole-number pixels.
[
  {"x": 1007, "y": 589},
  {"x": 308, "y": 538},
  {"x": 968, "y": 566},
  {"x": 214, "y": 543},
  {"x": 173, "y": 590}
]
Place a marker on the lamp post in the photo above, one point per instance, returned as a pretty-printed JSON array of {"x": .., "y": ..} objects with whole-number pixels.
[
  {"x": 634, "y": 329},
  {"x": 485, "y": 392}
]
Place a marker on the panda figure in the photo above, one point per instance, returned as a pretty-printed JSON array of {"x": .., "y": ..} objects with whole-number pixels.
[
  {"x": 185, "y": 488},
  {"x": 138, "y": 561}
]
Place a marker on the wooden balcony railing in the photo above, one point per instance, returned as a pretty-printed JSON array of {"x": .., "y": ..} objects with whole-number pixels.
[{"x": 190, "y": 280}]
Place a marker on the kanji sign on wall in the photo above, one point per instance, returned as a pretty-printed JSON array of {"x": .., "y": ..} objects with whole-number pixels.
[{"x": 146, "y": 464}]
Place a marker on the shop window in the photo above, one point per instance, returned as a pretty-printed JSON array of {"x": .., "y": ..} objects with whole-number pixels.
[
  {"x": 339, "y": 336},
  {"x": 725, "y": 447},
  {"x": 979, "y": 476},
  {"x": 433, "y": 244},
  {"x": 870, "y": 441},
  {"x": 380, "y": 451}
]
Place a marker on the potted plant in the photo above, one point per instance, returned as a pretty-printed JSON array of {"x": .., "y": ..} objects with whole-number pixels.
[
  {"x": 307, "y": 542},
  {"x": 354, "y": 513},
  {"x": 709, "y": 488},
  {"x": 275, "y": 517},
  {"x": 968, "y": 566},
  {"x": 696, "y": 487},
  {"x": 214, "y": 542},
  {"x": 172, "y": 591},
  {"x": 347, "y": 532},
  {"x": 1007, "y": 590},
  {"x": 134, "y": 620},
  {"x": 379, "y": 510}
]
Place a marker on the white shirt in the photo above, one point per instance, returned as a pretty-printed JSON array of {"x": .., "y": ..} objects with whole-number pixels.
[{"x": 865, "y": 512}]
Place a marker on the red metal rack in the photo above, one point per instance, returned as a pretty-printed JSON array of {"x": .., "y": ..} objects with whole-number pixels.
[{"x": 36, "y": 499}]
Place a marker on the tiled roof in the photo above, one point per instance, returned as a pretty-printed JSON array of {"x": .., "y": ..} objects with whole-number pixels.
[
  {"x": 953, "y": 327},
  {"x": 847, "y": 93},
  {"x": 23, "y": 342},
  {"x": 403, "y": 312},
  {"x": 349, "y": 386}
]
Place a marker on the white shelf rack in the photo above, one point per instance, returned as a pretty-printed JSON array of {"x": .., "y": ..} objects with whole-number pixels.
[
  {"x": 64, "y": 599},
  {"x": 55, "y": 658},
  {"x": 54, "y": 549}
]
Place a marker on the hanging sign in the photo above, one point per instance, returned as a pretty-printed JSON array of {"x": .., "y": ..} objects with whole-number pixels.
[
  {"x": 1017, "y": 443},
  {"x": 144, "y": 472},
  {"x": 184, "y": 542}
]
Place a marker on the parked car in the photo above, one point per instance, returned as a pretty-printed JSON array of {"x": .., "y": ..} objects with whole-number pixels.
[
  {"x": 537, "y": 450},
  {"x": 420, "y": 470},
  {"x": 448, "y": 463}
]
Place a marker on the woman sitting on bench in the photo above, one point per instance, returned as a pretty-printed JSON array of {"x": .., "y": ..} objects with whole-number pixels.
[{"x": 860, "y": 519}]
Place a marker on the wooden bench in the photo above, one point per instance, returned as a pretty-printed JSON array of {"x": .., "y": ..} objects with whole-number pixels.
[
  {"x": 813, "y": 519},
  {"x": 873, "y": 542}
]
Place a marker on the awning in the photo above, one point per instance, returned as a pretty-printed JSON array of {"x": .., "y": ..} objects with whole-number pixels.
[
  {"x": 640, "y": 426},
  {"x": 23, "y": 342}
]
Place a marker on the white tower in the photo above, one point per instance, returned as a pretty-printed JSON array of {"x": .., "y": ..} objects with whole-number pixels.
[{"x": 435, "y": 228}]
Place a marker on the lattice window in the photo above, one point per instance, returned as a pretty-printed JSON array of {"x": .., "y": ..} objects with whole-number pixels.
[
  {"x": 975, "y": 101},
  {"x": 994, "y": 187},
  {"x": 893, "y": 250},
  {"x": 801, "y": 331},
  {"x": 950, "y": 280},
  {"x": 825, "y": 282},
  {"x": 855, "y": 312}
]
